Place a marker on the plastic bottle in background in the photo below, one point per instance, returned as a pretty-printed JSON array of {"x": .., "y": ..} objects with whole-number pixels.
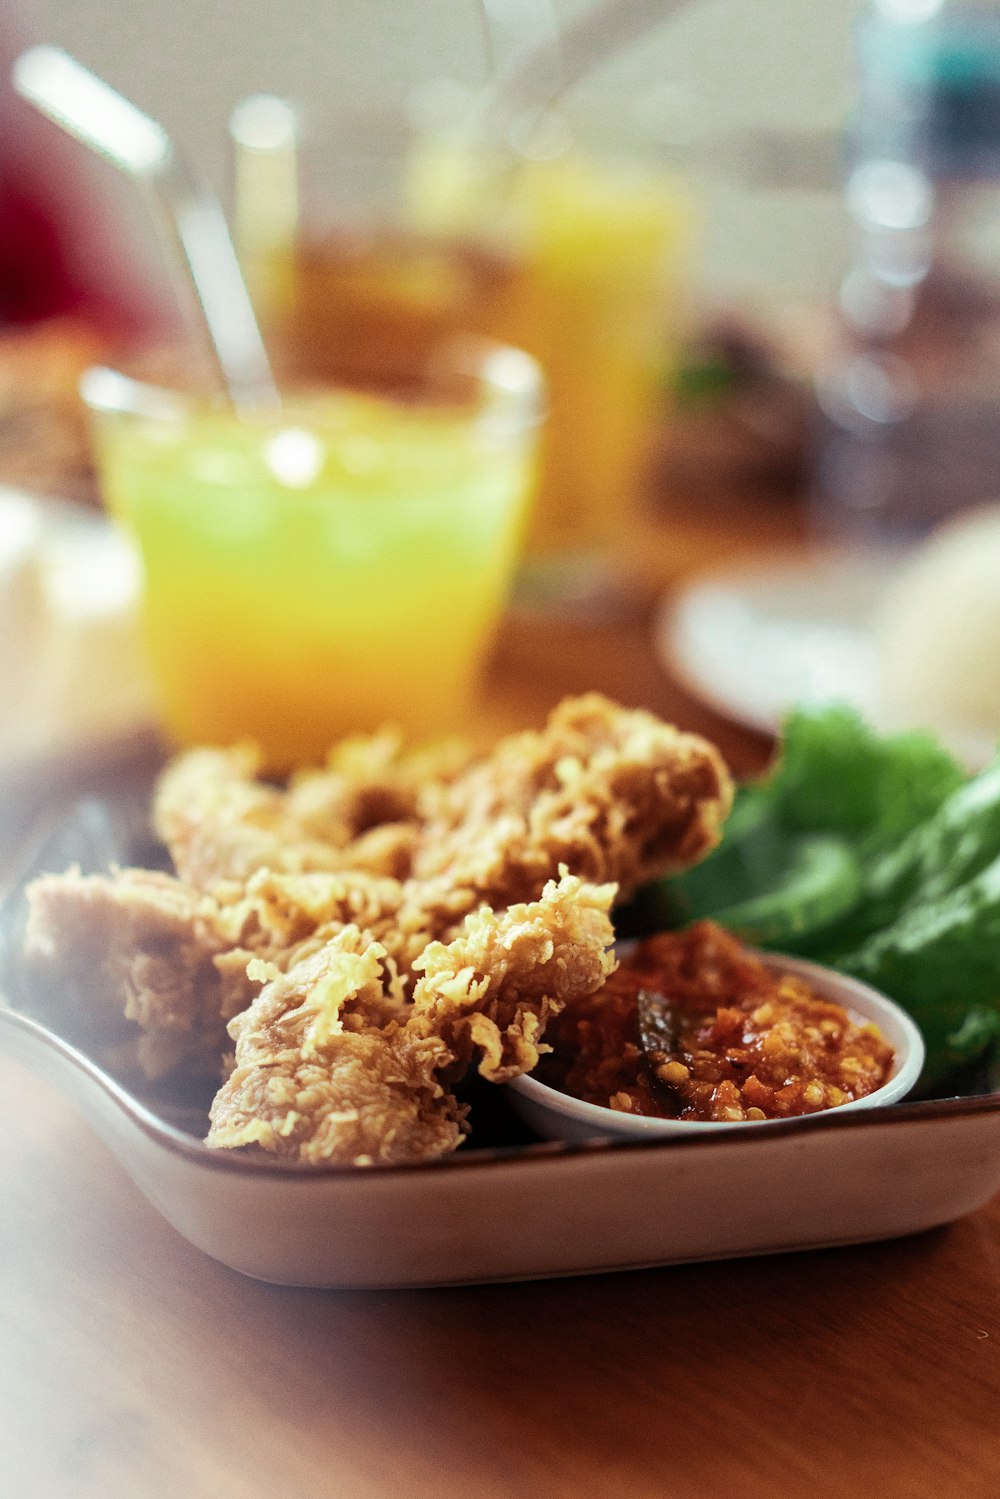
[{"x": 910, "y": 402}]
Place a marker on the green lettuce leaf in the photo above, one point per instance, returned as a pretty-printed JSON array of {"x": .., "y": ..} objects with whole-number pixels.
[{"x": 875, "y": 854}]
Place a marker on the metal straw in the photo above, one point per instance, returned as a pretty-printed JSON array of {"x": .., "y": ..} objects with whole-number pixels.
[{"x": 201, "y": 251}]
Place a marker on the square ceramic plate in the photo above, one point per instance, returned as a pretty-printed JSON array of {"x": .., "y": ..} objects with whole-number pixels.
[{"x": 505, "y": 1207}]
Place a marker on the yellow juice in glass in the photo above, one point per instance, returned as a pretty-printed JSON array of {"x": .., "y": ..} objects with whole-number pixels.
[
  {"x": 334, "y": 571},
  {"x": 595, "y": 259}
]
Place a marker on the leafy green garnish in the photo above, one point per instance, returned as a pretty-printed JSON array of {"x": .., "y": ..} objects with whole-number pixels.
[
  {"x": 838, "y": 776},
  {"x": 820, "y": 882},
  {"x": 875, "y": 854}
]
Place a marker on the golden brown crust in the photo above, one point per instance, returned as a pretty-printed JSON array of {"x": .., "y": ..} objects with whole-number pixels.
[
  {"x": 140, "y": 955},
  {"x": 332, "y": 1065},
  {"x": 490, "y": 991},
  {"x": 382, "y": 923},
  {"x": 221, "y": 822},
  {"x": 611, "y": 793}
]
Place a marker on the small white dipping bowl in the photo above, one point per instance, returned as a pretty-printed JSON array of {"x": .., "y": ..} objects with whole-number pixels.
[{"x": 558, "y": 1116}]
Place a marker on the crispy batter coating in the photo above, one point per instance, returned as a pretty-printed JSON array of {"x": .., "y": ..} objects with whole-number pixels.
[
  {"x": 139, "y": 957},
  {"x": 614, "y": 794},
  {"x": 330, "y": 1067},
  {"x": 359, "y": 812},
  {"x": 611, "y": 793},
  {"x": 407, "y": 914},
  {"x": 490, "y": 991},
  {"x": 319, "y": 1078},
  {"x": 144, "y": 947}
]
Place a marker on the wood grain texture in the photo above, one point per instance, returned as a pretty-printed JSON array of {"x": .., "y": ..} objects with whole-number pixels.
[{"x": 132, "y": 1367}]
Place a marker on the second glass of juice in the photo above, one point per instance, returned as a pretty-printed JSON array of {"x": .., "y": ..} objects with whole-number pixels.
[
  {"x": 593, "y": 295},
  {"x": 334, "y": 570},
  {"x": 578, "y": 259}
]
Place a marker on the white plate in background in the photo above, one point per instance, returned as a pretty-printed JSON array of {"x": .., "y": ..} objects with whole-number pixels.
[{"x": 756, "y": 642}]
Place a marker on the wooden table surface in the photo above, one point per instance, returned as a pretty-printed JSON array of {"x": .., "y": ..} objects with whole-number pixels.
[{"x": 133, "y": 1366}]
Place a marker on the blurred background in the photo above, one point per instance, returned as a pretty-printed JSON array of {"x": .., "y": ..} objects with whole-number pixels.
[
  {"x": 749, "y": 99},
  {"x": 781, "y": 220}
]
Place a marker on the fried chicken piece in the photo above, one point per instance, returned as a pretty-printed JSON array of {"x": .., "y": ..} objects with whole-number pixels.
[
  {"x": 152, "y": 969},
  {"x": 220, "y": 822},
  {"x": 325, "y": 1070},
  {"x": 613, "y": 794},
  {"x": 278, "y": 875},
  {"x": 140, "y": 964},
  {"x": 323, "y": 1075},
  {"x": 142, "y": 949},
  {"x": 491, "y": 990}
]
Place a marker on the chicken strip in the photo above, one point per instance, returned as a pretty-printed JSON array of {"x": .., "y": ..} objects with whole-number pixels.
[
  {"x": 325, "y": 1071},
  {"x": 491, "y": 990},
  {"x": 322, "y": 1075},
  {"x": 220, "y": 822},
  {"x": 154, "y": 969},
  {"x": 616, "y": 796},
  {"x": 141, "y": 967},
  {"x": 613, "y": 794}
]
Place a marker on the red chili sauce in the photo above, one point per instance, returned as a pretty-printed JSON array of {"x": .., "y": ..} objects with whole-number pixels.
[{"x": 748, "y": 1043}]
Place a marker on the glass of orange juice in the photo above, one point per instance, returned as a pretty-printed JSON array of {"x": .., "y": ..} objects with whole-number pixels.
[
  {"x": 335, "y": 569},
  {"x": 596, "y": 250}
]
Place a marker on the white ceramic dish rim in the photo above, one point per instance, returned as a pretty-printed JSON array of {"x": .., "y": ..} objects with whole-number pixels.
[{"x": 861, "y": 1001}]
